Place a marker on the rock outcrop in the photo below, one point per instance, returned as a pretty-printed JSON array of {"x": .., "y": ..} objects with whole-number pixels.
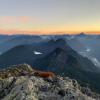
[{"x": 24, "y": 84}]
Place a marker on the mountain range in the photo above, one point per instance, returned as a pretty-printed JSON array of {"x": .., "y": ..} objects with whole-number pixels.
[{"x": 76, "y": 56}]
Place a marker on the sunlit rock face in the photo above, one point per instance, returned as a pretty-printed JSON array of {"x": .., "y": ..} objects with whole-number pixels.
[{"x": 29, "y": 86}]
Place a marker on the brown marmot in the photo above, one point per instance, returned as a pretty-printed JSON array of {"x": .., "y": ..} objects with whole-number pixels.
[{"x": 44, "y": 74}]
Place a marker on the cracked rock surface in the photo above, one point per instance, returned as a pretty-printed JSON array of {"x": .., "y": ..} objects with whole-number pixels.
[{"x": 31, "y": 87}]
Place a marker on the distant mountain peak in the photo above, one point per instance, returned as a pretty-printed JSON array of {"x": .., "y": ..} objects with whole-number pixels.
[
  {"x": 82, "y": 34},
  {"x": 60, "y": 40},
  {"x": 59, "y": 50}
]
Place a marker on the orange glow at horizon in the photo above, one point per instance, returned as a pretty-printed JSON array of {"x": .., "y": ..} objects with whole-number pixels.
[
  {"x": 31, "y": 25},
  {"x": 11, "y": 32},
  {"x": 49, "y": 16}
]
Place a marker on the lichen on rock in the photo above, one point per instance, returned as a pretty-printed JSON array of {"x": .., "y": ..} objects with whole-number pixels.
[{"x": 35, "y": 87}]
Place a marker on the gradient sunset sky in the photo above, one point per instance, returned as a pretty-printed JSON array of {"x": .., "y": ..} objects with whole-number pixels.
[{"x": 49, "y": 16}]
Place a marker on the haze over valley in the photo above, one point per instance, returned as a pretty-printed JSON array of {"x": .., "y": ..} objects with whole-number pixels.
[{"x": 49, "y": 49}]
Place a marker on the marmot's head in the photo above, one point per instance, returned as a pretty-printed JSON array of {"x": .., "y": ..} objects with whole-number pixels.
[{"x": 36, "y": 73}]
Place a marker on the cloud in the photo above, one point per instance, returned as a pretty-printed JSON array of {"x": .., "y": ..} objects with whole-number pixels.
[
  {"x": 24, "y": 19},
  {"x": 7, "y": 19},
  {"x": 14, "y": 31},
  {"x": 16, "y": 19}
]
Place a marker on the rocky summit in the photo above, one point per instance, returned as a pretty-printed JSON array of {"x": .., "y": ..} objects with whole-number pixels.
[{"x": 21, "y": 82}]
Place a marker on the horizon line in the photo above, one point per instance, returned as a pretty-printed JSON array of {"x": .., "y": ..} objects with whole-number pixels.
[{"x": 15, "y": 32}]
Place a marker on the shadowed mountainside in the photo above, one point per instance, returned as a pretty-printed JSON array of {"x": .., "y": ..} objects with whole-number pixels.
[{"x": 58, "y": 57}]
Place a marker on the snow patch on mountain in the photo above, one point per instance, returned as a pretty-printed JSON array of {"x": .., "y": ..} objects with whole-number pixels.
[
  {"x": 96, "y": 62},
  {"x": 37, "y": 53},
  {"x": 88, "y": 50}
]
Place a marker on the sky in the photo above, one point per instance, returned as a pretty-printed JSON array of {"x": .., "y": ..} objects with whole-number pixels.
[{"x": 49, "y": 16}]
